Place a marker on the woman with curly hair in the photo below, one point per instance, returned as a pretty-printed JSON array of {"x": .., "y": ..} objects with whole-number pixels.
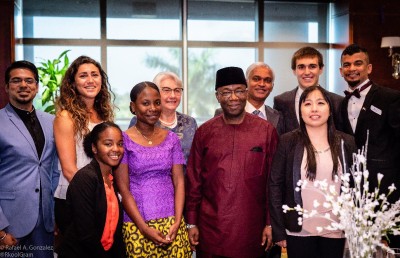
[{"x": 84, "y": 102}]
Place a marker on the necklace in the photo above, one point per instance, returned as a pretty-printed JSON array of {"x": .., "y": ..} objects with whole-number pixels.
[
  {"x": 149, "y": 141},
  {"x": 168, "y": 124},
  {"x": 322, "y": 151}
]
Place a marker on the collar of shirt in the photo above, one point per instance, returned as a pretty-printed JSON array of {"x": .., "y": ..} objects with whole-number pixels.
[
  {"x": 296, "y": 102},
  {"x": 298, "y": 93},
  {"x": 250, "y": 108},
  {"x": 362, "y": 93},
  {"x": 355, "y": 105},
  {"x": 24, "y": 114}
]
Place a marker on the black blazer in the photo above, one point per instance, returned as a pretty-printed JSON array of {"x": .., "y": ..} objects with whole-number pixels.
[
  {"x": 87, "y": 209},
  {"x": 380, "y": 115},
  {"x": 273, "y": 116},
  {"x": 285, "y": 173},
  {"x": 285, "y": 104}
]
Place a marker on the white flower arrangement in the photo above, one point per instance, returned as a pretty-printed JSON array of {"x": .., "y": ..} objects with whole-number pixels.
[{"x": 365, "y": 217}]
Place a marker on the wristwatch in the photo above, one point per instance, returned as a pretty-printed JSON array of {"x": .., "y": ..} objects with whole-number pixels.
[{"x": 189, "y": 226}]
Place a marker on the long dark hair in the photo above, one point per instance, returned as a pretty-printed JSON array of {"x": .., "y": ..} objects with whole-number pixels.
[{"x": 333, "y": 138}]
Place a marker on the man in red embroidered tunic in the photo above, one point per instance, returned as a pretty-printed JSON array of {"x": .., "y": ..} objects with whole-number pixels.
[{"x": 228, "y": 168}]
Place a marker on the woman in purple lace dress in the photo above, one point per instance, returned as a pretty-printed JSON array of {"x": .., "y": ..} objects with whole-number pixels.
[{"x": 151, "y": 183}]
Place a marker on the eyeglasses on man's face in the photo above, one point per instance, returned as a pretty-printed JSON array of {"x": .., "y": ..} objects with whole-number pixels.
[
  {"x": 168, "y": 91},
  {"x": 18, "y": 81},
  {"x": 228, "y": 93}
]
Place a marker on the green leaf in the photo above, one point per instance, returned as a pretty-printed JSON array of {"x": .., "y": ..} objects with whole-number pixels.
[
  {"x": 50, "y": 109},
  {"x": 66, "y": 60},
  {"x": 51, "y": 66},
  {"x": 51, "y": 85},
  {"x": 64, "y": 53},
  {"x": 51, "y": 76},
  {"x": 58, "y": 78},
  {"x": 45, "y": 79},
  {"x": 44, "y": 65},
  {"x": 46, "y": 96}
]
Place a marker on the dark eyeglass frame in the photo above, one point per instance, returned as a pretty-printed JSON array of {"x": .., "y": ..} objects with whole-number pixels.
[
  {"x": 228, "y": 93},
  {"x": 18, "y": 81}
]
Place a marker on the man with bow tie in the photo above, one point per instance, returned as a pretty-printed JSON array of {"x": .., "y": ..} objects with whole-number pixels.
[{"x": 372, "y": 112}]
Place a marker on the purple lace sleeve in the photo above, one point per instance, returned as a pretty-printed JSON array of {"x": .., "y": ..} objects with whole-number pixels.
[{"x": 177, "y": 154}]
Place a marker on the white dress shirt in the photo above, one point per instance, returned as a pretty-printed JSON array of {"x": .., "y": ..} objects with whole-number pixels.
[
  {"x": 355, "y": 104},
  {"x": 296, "y": 102},
  {"x": 250, "y": 108}
]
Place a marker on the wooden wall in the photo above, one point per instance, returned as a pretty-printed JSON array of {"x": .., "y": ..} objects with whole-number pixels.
[
  {"x": 370, "y": 20},
  {"x": 6, "y": 44}
]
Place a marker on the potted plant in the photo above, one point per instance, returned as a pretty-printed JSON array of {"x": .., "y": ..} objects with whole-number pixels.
[{"x": 51, "y": 75}]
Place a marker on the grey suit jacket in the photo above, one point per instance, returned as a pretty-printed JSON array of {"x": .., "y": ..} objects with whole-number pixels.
[
  {"x": 24, "y": 176},
  {"x": 273, "y": 116},
  {"x": 285, "y": 103}
]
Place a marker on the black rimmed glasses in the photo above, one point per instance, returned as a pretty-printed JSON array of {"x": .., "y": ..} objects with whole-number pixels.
[
  {"x": 228, "y": 93},
  {"x": 168, "y": 91},
  {"x": 18, "y": 81}
]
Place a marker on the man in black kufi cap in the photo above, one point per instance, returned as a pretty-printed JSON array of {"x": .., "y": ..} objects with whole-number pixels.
[{"x": 229, "y": 163}]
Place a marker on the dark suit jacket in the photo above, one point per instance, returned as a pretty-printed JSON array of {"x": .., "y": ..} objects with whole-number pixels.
[
  {"x": 285, "y": 103},
  {"x": 273, "y": 116},
  {"x": 380, "y": 115},
  {"x": 87, "y": 209},
  {"x": 285, "y": 173}
]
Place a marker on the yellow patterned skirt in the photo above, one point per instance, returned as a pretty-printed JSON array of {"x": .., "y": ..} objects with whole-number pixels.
[{"x": 138, "y": 245}]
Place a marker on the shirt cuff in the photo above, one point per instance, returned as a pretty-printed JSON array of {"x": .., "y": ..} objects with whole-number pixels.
[{"x": 191, "y": 217}]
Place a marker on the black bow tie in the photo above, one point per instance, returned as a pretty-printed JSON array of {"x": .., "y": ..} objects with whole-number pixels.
[{"x": 356, "y": 92}]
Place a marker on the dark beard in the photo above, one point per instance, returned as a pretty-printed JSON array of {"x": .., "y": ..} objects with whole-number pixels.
[
  {"x": 353, "y": 84},
  {"x": 24, "y": 101}
]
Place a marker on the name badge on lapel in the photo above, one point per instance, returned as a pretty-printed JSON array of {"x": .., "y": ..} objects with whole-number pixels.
[{"x": 376, "y": 110}]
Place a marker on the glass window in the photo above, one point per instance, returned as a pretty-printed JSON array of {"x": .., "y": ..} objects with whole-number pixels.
[
  {"x": 295, "y": 22},
  {"x": 61, "y": 19},
  {"x": 203, "y": 65},
  {"x": 18, "y": 19},
  {"x": 128, "y": 66},
  {"x": 144, "y": 20},
  {"x": 221, "y": 20},
  {"x": 37, "y": 54},
  {"x": 336, "y": 82},
  {"x": 143, "y": 38}
]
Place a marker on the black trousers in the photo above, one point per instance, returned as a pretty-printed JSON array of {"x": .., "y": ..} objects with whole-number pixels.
[
  {"x": 60, "y": 213},
  {"x": 315, "y": 247}
]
